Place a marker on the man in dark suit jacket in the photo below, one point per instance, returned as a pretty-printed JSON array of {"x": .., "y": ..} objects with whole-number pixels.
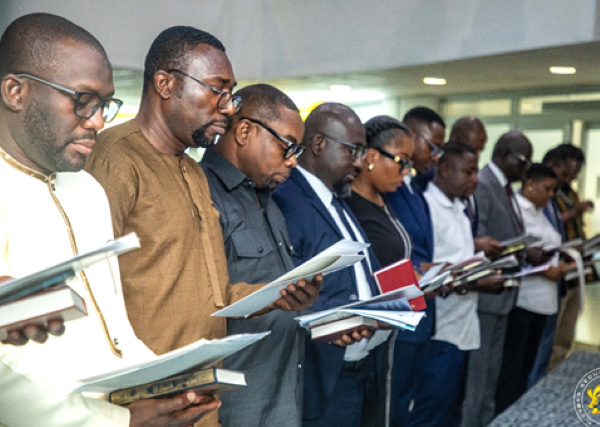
[
  {"x": 500, "y": 218},
  {"x": 339, "y": 381}
]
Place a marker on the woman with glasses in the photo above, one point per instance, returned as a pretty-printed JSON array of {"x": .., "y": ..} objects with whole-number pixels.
[{"x": 390, "y": 147}]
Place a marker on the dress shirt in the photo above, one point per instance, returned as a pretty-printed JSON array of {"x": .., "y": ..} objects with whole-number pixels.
[
  {"x": 456, "y": 315},
  {"x": 258, "y": 251},
  {"x": 359, "y": 350},
  {"x": 504, "y": 182},
  {"x": 179, "y": 278},
  {"x": 45, "y": 220},
  {"x": 538, "y": 294}
]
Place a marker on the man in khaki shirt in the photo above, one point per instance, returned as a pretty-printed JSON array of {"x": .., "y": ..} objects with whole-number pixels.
[{"x": 179, "y": 278}]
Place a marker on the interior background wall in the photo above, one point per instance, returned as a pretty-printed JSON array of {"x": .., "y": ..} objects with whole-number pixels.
[{"x": 269, "y": 39}]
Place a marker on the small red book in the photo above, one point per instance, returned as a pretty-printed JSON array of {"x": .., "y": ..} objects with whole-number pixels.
[{"x": 396, "y": 276}]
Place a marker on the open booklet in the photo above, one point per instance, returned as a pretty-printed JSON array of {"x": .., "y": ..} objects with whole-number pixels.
[
  {"x": 391, "y": 308},
  {"x": 17, "y": 288},
  {"x": 464, "y": 272},
  {"x": 338, "y": 256},
  {"x": 518, "y": 244},
  {"x": 200, "y": 354}
]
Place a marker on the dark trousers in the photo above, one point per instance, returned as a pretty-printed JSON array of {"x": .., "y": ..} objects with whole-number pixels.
[
  {"x": 523, "y": 336},
  {"x": 350, "y": 400},
  {"x": 407, "y": 385},
  {"x": 442, "y": 379}
]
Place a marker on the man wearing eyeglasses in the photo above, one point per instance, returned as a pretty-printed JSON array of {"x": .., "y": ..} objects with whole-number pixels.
[
  {"x": 180, "y": 277},
  {"x": 341, "y": 381},
  {"x": 257, "y": 153},
  {"x": 57, "y": 93},
  {"x": 500, "y": 218}
]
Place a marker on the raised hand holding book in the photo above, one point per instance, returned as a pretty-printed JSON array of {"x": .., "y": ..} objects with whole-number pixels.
[
  {"x": 207, "y": 380},
  {"x": 23, "y": 286},
  {"x": 60, "y": 302},
  {"x": 340, "y": 255}
]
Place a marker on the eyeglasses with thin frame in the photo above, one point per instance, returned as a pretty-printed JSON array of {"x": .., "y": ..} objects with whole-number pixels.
[
  {"x": 522, "y": 159},
  {"x": 86, "y": 103},
  {"x": 405, "y": 164},
  {"x": 225, "y": 98},
  {"x": 356, "y": 151},
  {"x": 434, "y": 149},
  {"x": 292, "y": 149}
]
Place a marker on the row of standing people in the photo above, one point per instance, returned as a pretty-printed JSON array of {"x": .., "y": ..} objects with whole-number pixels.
[{"x": 193, "y": 258}]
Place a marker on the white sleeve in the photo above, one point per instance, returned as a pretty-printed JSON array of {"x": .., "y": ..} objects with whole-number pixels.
[{"x": 24, "y": 403}]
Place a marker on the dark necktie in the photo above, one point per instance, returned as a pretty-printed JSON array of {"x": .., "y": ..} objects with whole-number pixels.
[
  {"x": 341, "y": 207},
  {"x": 511, "y": 198}
]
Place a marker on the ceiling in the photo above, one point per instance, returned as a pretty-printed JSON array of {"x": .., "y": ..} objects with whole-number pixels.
[{"x": 515, "y": 72}]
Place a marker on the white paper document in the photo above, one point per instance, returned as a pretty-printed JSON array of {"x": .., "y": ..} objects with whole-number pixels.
[
  {"x": 392, "y": 308},
  {"x": 341, "y": 255},
  {"x": 200, "y": 354},
  {"x": 20, "y": 287}
]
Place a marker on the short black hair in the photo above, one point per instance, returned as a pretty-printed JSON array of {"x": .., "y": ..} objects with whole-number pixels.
[
  {"x": 454, "y": 150},
  {"x": 28, "y": 43},
  {"x": 423, "y": 114},
  {"x": 262, "y": 102},
  {"x": 563, "y": 152},
  {"x": 538, "y": 172},
  {"x": 380, "y": 129},
  {"x": 169, "y": 50}
]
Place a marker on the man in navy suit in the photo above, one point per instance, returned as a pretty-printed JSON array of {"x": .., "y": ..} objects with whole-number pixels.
[{"x": 341, "y": 381}]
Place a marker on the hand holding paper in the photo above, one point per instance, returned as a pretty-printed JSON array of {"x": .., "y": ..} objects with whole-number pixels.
[
  {"x": 338, "y": 256},
  {"x": 300, "y": 296}
]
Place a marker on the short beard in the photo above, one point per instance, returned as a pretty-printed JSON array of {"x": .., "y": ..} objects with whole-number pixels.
[
  {"x": 41, "y": 141},
  {"x": 343, "y": 189},
  {"x": 200, "y": 139},
  {"x": 199, "y": 136}
]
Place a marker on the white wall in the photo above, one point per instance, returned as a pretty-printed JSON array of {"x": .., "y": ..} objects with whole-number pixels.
[{"x": 269, "y": 39}]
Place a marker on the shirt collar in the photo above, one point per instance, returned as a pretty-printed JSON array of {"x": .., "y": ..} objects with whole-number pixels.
[
  {"x": 455, "y": 204},
  {"x": 324, "y": 193},
  {"x": 498, "y": 174},
  {"x": 526, "y": 204},
  {"x": 227, "y": 172}
]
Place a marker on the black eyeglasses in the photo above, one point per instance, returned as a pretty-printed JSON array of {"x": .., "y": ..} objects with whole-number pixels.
[
  {"x": 86, "y": 103},
  {"x": 405, "y": 164},
  {"x": 522, "y": 159},
  {"x": 356, "y": 151},
  {"x": 292, "y": 149},
  {"x": 225, "y": 98},
  {"x": 434, "y": 149}
]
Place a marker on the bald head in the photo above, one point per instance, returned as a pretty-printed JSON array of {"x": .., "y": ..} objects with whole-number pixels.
[
  {"x": 326, "y": 116},
  {"x": 30, "y": 43},
  {"x": 335, "y": 144},
  {"x": 469, "y": 130},
  {"x": 512, "y": 154}
]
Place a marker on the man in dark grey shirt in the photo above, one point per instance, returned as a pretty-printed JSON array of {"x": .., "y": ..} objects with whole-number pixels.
[{"x": 256, "y": 153}]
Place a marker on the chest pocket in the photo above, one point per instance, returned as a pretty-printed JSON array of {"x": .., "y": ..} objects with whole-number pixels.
[{"x": 252, "y": 243}]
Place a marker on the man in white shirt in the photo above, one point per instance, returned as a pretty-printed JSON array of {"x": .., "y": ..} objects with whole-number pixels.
[
  {"x": 457, "y": 325},
  {"x": 57, "y": 93}
]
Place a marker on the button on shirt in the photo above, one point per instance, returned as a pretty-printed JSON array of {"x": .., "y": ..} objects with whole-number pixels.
[
  {"x": 538, "y": 294},
  {"x": 258, "y": 250},
  {"x": 456, "y": 315},
  {"x": 360, "y": 349}
]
